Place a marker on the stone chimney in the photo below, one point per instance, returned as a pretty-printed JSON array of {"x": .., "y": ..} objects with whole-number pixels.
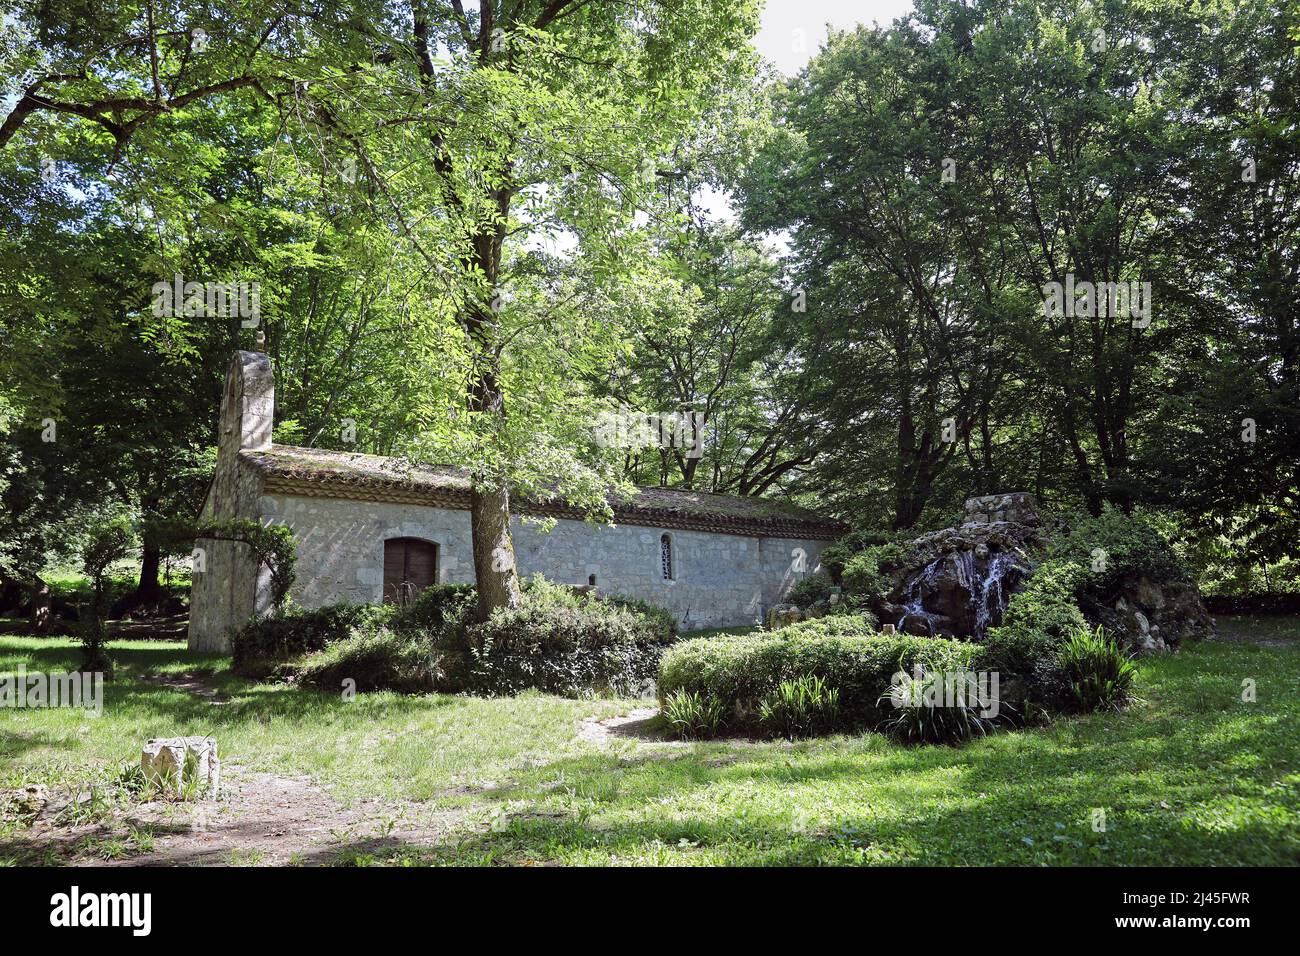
[
  {"x": 230, "y": 588},
  {"x": 247, "y": 404}
]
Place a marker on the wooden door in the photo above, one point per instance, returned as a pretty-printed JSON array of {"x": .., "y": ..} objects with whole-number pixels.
[{"x": 410, "y": 566}]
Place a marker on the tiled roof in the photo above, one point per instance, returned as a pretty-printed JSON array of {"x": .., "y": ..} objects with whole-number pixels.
[{"x": 335, "y": 474}]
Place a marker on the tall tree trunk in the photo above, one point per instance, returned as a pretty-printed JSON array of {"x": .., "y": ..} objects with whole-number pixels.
[
  {"x": 41, "y": 612},
  {"x": 149, "y": 590},
  {"x": 494, "y": 550}
]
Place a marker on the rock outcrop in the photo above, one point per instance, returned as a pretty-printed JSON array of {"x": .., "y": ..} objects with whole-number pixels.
[
  {"x": 782, "y": 615},
  {"x": 958, "y": 580},
  {"x": 1150, "y": 616}
]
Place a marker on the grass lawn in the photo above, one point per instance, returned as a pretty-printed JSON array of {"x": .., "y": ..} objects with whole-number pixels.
[{"x": 1190, "y": 775}]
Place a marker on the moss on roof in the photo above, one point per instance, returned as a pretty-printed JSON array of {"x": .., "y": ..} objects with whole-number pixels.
[{"x": 315, "y": 465}]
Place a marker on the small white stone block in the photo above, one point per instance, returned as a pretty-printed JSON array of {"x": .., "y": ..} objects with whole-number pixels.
[{"x": 173, "y": 762}]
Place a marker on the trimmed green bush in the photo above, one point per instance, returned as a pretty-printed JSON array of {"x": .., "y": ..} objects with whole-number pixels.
[
  {"x": 843, "y": 652},
  {"x": 556, "y": 641},
  {"x": 378, "y": 660},
  {"x": 1096, "y": 670},
  {"x": 262, "y": 646}
]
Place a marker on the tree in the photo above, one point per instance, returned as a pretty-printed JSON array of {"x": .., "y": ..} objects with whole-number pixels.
[
  {"x": 107, "y": 542},
  {"x": 895, "y": 280},
  {"x": 487, "y": 129},
  {"x": 465, "y": 133}
]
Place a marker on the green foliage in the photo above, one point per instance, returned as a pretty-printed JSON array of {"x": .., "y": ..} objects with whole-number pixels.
[
  {"x": 1121, "y": 547},
  {"x": 261, "y": 646},
  {"x": 853, "y": 606},
  {"x": 816, "y": 587},
  {"x": 1047, "y": 603},
  {"x": 837, "y": 556},
  {"x": 913, "y": 721},
  {"x": 555, "y": 641},
  {"x": 692, "y": 716},
  {"x": 374, "y": 659},
  {"x": 865, "y": 573},
  {"x": 1038, "y": 619},
  {"x": 660, "y": 620},
  {"x": 843, "y": 652},
  {"x": 1097, "y": 671},
  {"x": 106, "y": 543},
  {"x": 1045, "y": 611},
  {"x": 273, "y": 547},
  {"x": 802, "y": 707},
  {"x": 437, "y": 607}
]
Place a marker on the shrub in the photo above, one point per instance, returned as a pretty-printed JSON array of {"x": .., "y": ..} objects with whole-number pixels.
[
  {"x": 437, "y": 607},
  {"x": 1096, "y": 670},
  {"x": 660, "y": 620},
  {"x": 1048, "y": 602},
  {"x": 914, "y": 721},
  {"x": 262, "y": 645},
  {"x": 1024, "y": 648},
  {"x": 799, "y": 708},
  {"x": 853, "y": 607},
  {"x": 835, "y": 557},
  {"x": 816, "y": 587},
  {"x": 843, "y": 652},
  {"x": 556, "y": 641},
  {"x": 376, "y": 660},
  {"x": 865, "y": 574},
  {"x": 1130, "y": 545},
  {"x": 691, "y": 715}
]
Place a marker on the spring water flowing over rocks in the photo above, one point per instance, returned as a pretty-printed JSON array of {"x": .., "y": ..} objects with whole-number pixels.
[{"x": 958, "y": 580}]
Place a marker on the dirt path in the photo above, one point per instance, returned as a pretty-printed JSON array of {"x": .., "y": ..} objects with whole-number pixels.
[
  {"x": 257, "y": 819},
  {"x": 635, "y": 725},
  {"x": 1266, "y": 631},
  {"x": 195, "y": 684},
  {"x": 264, "y": 819}
]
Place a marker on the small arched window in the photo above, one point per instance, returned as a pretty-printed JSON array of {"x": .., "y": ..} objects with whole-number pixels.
[
  {"x": 410, "y": 566},
  {"x": 666, "y": 556}
]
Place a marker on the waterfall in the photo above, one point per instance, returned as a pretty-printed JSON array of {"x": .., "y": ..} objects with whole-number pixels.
[
  {"x": 991, "y": 588},
  {"x": 988, "y": 595}
]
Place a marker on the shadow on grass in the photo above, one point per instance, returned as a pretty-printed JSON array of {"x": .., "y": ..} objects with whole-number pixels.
[{"x": 1193, "y": 775}]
